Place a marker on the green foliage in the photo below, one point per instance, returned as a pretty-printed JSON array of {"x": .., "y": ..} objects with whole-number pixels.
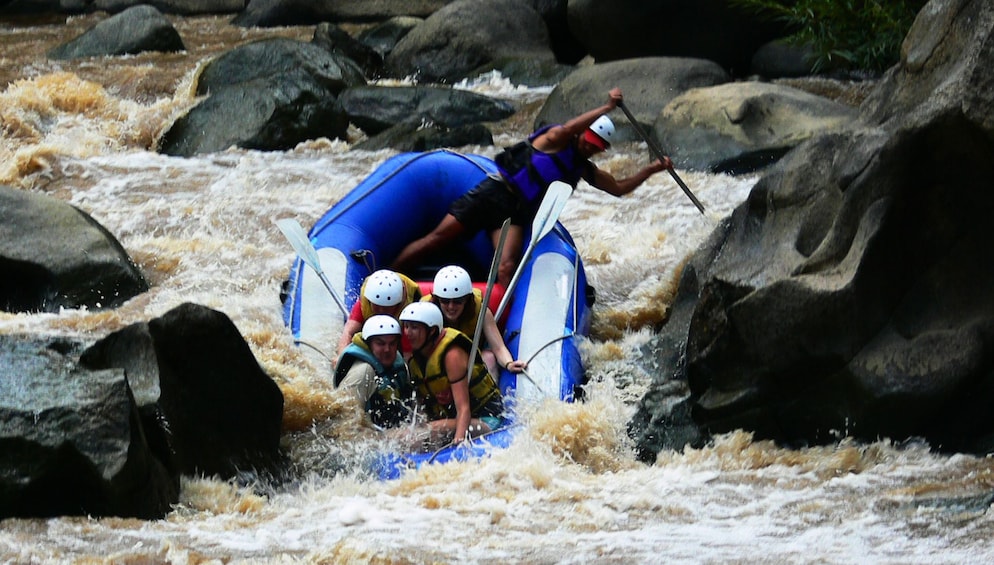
[{"x": 849, "y": 34}]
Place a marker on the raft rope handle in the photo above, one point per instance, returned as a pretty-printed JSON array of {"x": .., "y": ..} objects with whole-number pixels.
[
  {"x": 479, "y": 437},
  {"x": 550, "y": 342},
  {"x": 312, "y": 346},
  {"x": 363, "y": 256}
]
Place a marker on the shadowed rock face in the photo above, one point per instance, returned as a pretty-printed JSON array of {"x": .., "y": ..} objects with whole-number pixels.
[
  {"x": 71, "y": 439},
  {"x": 849, "y": 295},
  {"x": 53, "y": 255},
  {"x": 108, "y": 430}
]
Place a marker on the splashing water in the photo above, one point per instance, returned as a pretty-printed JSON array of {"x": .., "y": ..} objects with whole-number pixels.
[{"x": 567, "y": 491}]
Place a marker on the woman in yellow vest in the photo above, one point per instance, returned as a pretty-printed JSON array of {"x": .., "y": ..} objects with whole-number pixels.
[
  {"x": 460, "y": 303},
  {"x": 459, "y": 402}
]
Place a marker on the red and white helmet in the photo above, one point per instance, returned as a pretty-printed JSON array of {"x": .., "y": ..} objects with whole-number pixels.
[
  {"x": 384, "y": 288},
  {"x": 600, "y": 132},
  {"x": 452, "y": 282}
]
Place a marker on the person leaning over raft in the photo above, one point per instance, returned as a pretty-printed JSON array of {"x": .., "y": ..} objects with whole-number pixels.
[
  {"x": 372, "y": 368},
  {"x": 383, "y": 292},
  {"x": 452, "y": 291},
  {"x": 458, "y": 403},
  {"x": 557, "y": 152}
]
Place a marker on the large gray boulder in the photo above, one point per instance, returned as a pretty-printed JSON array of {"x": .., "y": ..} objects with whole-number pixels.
[
  {"x": 413, "y": 135},
  {"x": 850, "y": 294},
  {"x": 181, "y": 7},
  {"x": 269, "y": 13},
  {"x": 702, "y": 29},
  {"x": 565, "y": 45},
  {"x": 107, "y": 429},
  {"x": 648, "y": 85},
  {"x": 71, "y": 439},
  {"x": 332, "y": 38},
  {"x": 204, "y": 398},
  {"x": 468, "y": 34},
  {"x": 741, "y": 127},
  {"x": 384, "y": 36},
  {"x": 137, "y": 29},
  {"x": 279, "y": 57},
  {"x": 267, "y": 95},
  {"x": 267, "y": 114},
  {"x": 376, "y": 108},
  {"x": 43, "y": 6},
  {"x": 53, "y": 256}
]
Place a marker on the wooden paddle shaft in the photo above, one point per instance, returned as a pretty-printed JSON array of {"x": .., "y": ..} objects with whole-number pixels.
[{"x": 659, "y": 155}]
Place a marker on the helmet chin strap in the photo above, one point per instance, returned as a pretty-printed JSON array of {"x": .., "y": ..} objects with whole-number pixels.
[{"x": 431, "y": 337}]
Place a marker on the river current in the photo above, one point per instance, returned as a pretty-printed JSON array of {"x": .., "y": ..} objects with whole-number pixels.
[{"x": 568, "y": 491}]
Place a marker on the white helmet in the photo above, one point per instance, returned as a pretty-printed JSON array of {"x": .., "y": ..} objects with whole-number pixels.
[
  {"x": 380, "y": 325},
  {"x": 603, "y": 128},
  {"x": 452, "y": 282},
  {"x": 425, "y": 312},
  {"x": 383, "y": 288}
]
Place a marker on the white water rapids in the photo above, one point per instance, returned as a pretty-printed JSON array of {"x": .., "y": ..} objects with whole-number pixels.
[{"x": 569, "y": 490}]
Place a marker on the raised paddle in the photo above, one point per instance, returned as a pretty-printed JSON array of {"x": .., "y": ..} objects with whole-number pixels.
[
  {"x": 545, "y": 219},
  {"x": 494, "y": 264},
  {"x": 659, "y": 155},
  {"x": 297, "y": 237}
]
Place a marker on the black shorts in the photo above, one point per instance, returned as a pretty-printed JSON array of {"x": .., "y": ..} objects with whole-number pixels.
[{"x": 488, "y": 204}]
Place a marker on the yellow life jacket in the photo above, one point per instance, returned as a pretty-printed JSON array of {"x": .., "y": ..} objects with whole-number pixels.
[
  {"x": 468, "y": 324},
  {"x": 412, "y": 293},
  {"x": 435, "y": 391}
]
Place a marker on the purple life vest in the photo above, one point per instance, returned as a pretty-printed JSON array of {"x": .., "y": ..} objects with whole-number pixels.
[{"x": 532, "y": 171}]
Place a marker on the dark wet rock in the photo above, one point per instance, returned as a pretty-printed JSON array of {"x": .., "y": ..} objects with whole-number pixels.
[
  {"x": 384, "y": 36},
  {"x": 779, "y": 59},
  {"x": 71, "y": 439},
  {"x": 374, "y": 108},
  {"x": 267, "y": 114},
  {"x": 22, "y": 7},
  {"x": 850, "y": 294},
  {"x": 699, "y": 29},
  {"x": 414, "y": 135},
  {"x": 53, "y": 256},
  {"x": 279, "y": 57},
  {"x": 107, "y": 429},
  {"x": 567, "y": 48},
  {"x": 266, "y": 95},
  {"x": 137, "y": 29},
  {"x": 201, "y": 392},
  {"x": 338, "y": 41},
  {"x": 466, "y": 35},
  {"x": 180, "y": 7},
  {"x": 269, "y": 13}
]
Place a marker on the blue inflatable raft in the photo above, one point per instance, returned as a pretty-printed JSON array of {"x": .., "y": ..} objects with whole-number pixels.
[{"x": 404, "y": 199}]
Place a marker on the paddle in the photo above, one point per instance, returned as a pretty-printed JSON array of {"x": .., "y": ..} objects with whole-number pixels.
[
  {"x": 297, "y": 237},
  {"x": 545, "y": 219},
  {"x": 486, "y": 296},
  {"x": 659, "y": 155}
]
